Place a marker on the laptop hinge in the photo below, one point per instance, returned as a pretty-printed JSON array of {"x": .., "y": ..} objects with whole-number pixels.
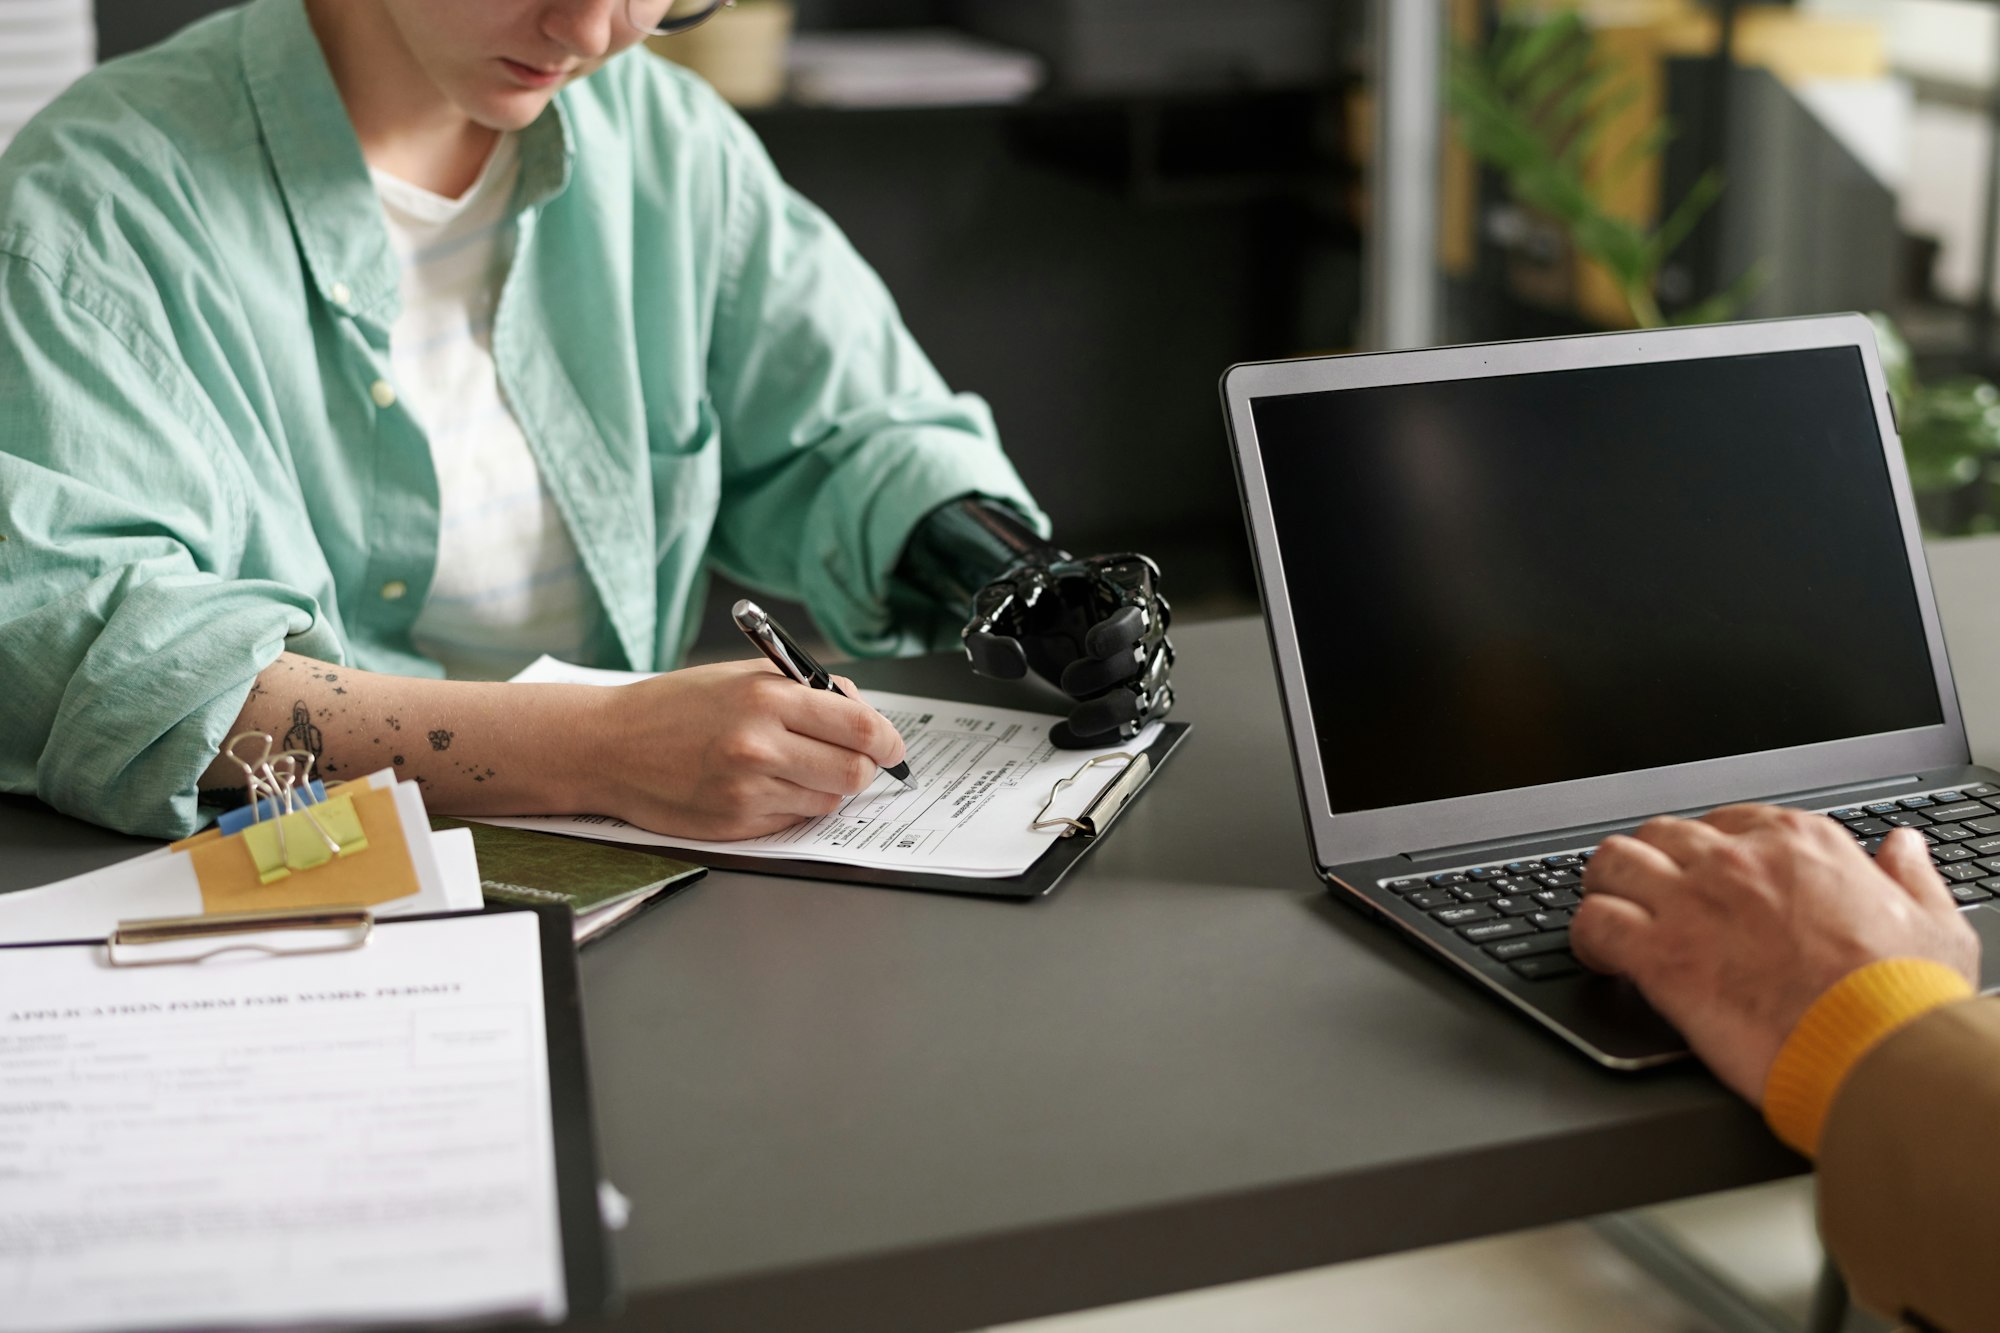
[{"x": 1583, "y": 833}]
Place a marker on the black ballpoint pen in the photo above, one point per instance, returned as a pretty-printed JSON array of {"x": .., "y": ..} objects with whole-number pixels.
[{"x": 796, "y": 662}]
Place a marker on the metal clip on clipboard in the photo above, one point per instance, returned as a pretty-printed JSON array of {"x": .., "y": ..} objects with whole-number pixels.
[
  {"x": 1098, "y": 816},
  {"x": 180, "y": 939}
]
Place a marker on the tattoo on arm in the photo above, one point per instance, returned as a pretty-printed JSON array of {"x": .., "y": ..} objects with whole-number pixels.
[
  {"x": 440, "y": 739},
  {"x": 303, "y": 734}
]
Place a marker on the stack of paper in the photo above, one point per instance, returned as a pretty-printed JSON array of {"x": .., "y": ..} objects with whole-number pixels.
[
  {"x": 395, "y": 866},
  {"x": 928, "y": 67}
]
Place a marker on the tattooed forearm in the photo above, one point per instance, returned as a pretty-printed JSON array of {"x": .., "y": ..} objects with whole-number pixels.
[{"x": 452, "y": 736}]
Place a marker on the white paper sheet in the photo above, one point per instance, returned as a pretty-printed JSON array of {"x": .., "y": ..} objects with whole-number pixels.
[
  {"x": 352, "y": 1136},
  {"x": 982, "y": 774},
  {"x": 162, "y": 883}
]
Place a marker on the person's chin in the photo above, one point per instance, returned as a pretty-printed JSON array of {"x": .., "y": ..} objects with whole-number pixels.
[{"x": 508, "y": 109}]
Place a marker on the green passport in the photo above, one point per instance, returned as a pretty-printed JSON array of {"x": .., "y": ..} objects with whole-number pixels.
[{"x": 600, "y": 884}]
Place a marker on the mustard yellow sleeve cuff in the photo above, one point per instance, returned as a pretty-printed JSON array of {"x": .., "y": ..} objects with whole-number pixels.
[{"x": 1843, "y": 1025}]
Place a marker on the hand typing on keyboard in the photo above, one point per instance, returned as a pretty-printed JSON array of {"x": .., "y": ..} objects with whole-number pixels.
[{"x": 1733, "y": 924}]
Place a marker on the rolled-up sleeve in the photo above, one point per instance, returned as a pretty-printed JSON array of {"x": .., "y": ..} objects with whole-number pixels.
[
  {"x": 838, "y": 435},
  {"x": 127, "y": 642}
]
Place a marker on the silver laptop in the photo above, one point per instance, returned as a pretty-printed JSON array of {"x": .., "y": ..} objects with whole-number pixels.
[{"x": 1524, "y": 595}]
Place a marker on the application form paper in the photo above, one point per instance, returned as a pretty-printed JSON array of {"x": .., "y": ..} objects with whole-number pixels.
[
  {"x": 356, "y": 1136},
  {"x": 982, "y": 775}
]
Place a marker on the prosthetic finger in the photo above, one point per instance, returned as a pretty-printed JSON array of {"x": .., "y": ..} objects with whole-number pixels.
[
  {"x": 1117, "y": 636},
  {"x": 989, "y": 636},
  {"x": 1087, "y": 676},
  {"x": 996, "y": 655},
  {"x": 1097, "y": 721}
]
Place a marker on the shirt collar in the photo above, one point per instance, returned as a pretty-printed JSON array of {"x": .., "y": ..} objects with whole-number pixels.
[{"x": 320, "y": 170}]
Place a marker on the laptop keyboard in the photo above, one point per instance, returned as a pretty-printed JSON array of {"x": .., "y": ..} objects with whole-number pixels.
[{"x": 1518, "y": 912}]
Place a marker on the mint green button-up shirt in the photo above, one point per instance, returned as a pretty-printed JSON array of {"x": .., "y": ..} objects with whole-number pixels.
[{"x": 202, "y": 462}]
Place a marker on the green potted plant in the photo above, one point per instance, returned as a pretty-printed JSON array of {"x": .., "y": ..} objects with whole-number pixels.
[{"x": 1535, "y": 105}]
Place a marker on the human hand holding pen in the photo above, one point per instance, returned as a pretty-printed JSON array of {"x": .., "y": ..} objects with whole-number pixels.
[
  {"x": 790, "y": 657},
  {"x": 736, "y": 750}
]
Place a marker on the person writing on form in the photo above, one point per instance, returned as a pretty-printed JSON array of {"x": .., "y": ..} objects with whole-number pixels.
[{"x": 351, "y": 345}]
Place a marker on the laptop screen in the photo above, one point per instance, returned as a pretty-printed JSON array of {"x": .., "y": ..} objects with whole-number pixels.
[{"x": 1504, "y": 582}]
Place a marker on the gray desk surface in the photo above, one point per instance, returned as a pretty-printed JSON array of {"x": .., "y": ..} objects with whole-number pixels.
[{"x": 852, "y": 1109}]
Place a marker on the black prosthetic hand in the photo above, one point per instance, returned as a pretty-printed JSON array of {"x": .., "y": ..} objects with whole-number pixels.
[{"x": 1094, "y": 627}]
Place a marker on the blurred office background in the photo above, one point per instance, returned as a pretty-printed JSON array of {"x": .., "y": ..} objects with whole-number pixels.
[{"x": 1087, "y": 209}]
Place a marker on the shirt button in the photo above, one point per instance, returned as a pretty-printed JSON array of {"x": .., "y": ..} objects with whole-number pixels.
[
  {"x": 393, "y": 590},
  {"x": 383, "y": 392},
  {"x": 341, "y": 296}
]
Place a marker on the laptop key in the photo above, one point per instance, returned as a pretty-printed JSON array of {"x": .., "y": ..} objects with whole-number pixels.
[
  {"x": 1951, "y": 851},
  {"x": 1557, "y": 898},
  {"x": 1949, "y": 795},
  {"x": 1426, "y": 899},
  {"x": 1478, "y": 893},
  {"x": 1906, "y": 820},
  {"x": 1969, "y": 893},
  {"x": 1485, "y": 872},
  {"x": 1557, "y": 879},
  {"x": 1404, "y": 885},
  {"x": 1915, "y": 802},
  {"x": 1866, "y": 828},
  {"x": 1984, "y": 827},
  {"x": 1545, "y": 967},
  {"x": 1562, "y": 861},
  {"x": 1556, "y": 920},
  {"x": 1495, "y": 930},
  {"x": 1523, "y": 867},
  {"x": 1961, "y": 873},
  {"x": 1464, "y": 916},
  {"x": 1849, "y": 812},
  {"x": 1449, "y": 877},
  {"x": 1882, "y": 808},
  {"x": 1990, "y": 864},
  {"x": 1517, "y": 906},
  {"x": 1529, "y": 946},
  {"x": 1981, "y": 790},
  {"x": 1958, "y": 810}
]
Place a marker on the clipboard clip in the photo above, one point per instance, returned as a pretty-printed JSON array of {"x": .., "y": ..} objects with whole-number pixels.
[
  {"x": 1109, "y": 802},
  {"x": 152, "y": 941}
]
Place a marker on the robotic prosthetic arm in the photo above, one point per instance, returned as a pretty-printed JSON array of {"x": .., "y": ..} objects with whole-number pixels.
[{"x": 1095, "y": 627}]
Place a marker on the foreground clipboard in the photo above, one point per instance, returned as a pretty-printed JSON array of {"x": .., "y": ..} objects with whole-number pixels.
[
  {"x": 1047, "y": 871},
  {"x": 330, "y": 1120}
]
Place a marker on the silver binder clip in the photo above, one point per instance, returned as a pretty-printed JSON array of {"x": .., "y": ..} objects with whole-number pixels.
[
  {"x": 1108, "y": 803},
  {"x": 284, "y": 779}
]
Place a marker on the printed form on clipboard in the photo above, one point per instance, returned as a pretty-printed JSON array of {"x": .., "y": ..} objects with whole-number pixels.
[{"x": 993, "y": 792}]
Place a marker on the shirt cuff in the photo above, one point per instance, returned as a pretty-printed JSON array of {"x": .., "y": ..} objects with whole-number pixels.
[{"x": 1843, "y": 1025}]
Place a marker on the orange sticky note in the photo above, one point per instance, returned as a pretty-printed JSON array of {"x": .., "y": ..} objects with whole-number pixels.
[{"x": 229, "y": 880}]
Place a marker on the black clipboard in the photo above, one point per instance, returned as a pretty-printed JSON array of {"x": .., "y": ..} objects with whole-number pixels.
[
  {"x": 1039, "y": 878},
  {"x": 590, "y": 1289}
]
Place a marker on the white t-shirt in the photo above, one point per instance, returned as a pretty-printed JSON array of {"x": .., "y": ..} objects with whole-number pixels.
[{"x": 509, "y": 584}]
